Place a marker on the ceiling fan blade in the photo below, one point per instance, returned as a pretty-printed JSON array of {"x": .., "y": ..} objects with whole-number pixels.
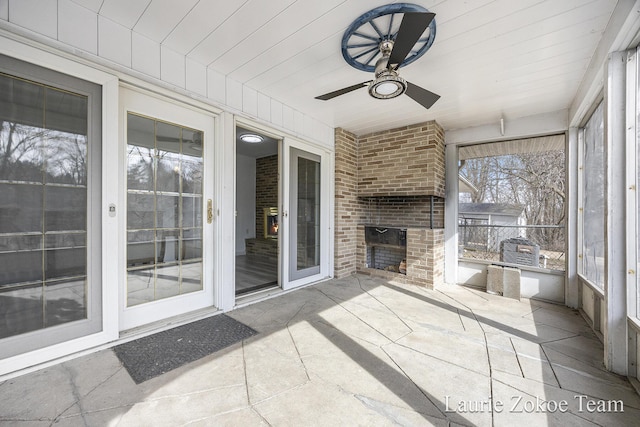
[
  {"x": 421, "y": 96},
  {"x": 342, "y": 91},
  {"x": 412, "y": 26}
]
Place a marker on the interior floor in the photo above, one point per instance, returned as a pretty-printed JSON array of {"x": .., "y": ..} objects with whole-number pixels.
[{"x": 255, "y": 272}]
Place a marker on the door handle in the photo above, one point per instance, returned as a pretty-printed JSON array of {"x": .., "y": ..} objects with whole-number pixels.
[{"x": 209, "y": 211}]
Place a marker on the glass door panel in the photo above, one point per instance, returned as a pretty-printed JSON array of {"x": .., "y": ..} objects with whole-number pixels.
[
  {"x": 164, "y": 205},
  {"x": 305, "y": 212}
]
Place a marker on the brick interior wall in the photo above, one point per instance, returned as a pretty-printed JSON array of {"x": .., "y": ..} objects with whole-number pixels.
[
  {"x": 348, "y": 211},
  {"x": 402, "y": 161},
  {"x": 266, "y": 189},
  {"x": 425, "y": 257},
  {"x": 385, "y": 256}
]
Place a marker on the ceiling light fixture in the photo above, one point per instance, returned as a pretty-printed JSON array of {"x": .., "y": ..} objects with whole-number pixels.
[
  {"x": 397, "y": 47},
  {"x": 387, "y": 85},
  {"x": 251, "y": 138}
]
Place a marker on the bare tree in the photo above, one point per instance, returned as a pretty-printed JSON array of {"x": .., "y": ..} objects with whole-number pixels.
[
  {"x": 20, "y": 148},
  {"x": 477, "y": 171}
]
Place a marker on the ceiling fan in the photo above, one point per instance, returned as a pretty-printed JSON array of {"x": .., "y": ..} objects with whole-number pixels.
[{"x": 387, "y": 83}]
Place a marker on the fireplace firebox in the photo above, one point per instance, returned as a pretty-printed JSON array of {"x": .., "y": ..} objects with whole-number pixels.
[
  {"x": 270, "y": 223},
  {"x": 415, "y": 256},
  {"x": 386, "y": 248}
]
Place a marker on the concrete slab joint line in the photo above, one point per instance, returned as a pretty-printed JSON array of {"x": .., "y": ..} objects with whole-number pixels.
[{"x": 357, "y": 350}]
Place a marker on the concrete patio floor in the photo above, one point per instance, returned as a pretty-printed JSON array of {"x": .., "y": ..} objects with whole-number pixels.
[{"x": 355, "y": 351}]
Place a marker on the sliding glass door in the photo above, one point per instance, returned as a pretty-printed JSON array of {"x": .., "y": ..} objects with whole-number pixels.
[
  {"x": 50, "y": 188},
  {"x": 306, "y": 214}
]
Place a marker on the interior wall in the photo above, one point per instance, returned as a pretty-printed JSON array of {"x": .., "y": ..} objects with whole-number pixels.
[
  {"x": 347, "y": 211},
  {"x": 245, "y": 201},
  {"x": 266, "y": 193}
]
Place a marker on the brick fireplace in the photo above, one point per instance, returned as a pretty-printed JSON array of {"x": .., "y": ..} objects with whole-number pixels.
[{"x": 394, "y": 179}]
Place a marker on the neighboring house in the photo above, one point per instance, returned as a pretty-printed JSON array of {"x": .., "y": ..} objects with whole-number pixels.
[
  {"x": 493, "y": 213},
  {"x": 466, "y": 186},
  {"x": 485, "y": 225}
]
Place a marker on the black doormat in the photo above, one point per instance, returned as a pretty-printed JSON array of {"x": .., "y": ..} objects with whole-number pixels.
[{"x": 156, "y": 354}]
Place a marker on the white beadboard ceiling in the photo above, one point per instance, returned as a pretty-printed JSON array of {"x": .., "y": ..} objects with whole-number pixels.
[{"x": 491, "y": 59}]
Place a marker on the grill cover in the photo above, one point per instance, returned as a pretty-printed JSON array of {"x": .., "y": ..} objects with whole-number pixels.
[{"x": 520, "y": 251}]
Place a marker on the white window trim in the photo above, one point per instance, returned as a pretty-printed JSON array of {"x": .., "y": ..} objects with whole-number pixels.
[
  {"x": 632, "y": 109},
  {"x": 632, "y": 213}
]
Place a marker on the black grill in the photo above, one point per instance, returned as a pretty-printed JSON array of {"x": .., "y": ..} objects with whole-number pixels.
[{"x": 519, "y": 251}]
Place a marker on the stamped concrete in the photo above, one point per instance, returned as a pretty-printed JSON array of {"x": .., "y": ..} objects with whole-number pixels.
[{"x": 355, "y": 351}]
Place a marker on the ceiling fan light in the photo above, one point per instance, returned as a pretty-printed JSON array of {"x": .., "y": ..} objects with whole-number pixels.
[
  {"x": 251, "y": 138},
  {"x": 387, "y": 88},
  {"x": 387, "y": 85}
]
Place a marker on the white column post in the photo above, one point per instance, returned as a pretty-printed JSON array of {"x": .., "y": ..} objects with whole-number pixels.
[
  {"x": 633, "y": 139},
  {"x": 615, "y": 331},
  {"x": 224, "y": 212},
  {"x": 451, "y": 215},
  {"x": 571, "y": 289}
]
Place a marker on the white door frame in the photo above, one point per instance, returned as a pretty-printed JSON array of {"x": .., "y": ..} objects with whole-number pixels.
[{"x": 154, "y": 106}]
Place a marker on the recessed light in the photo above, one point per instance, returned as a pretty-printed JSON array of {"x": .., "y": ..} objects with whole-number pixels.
[{"x": 251, "y": 138}]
